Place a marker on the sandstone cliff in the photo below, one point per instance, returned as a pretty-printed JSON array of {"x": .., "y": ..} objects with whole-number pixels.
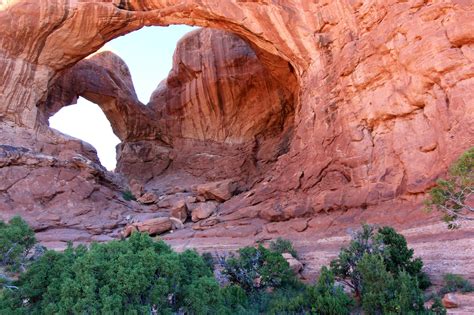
[{"x": 366, "y": 104}]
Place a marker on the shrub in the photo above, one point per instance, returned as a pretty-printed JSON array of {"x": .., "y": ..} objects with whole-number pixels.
[
  {"x": 385, "y": 293},
  {"x": 208, "y": 260},
  {"x": 453, "y": 283},
  {"x": 385, "y": 242},
  {"x": 398, "y": 257},
  {"x": 128, "y": 196},
  {"x": 345, "y": 266},
  {"x": 325, "y": 298},
  {"x": 16, "y": 241},
  {"x": 438, "y": 308},
  {"x": 450, "y": 195},
  {"x": 118, "y": 277},
  {"x": 281, "y": 246},
  {"x": 258, "y": 268}
]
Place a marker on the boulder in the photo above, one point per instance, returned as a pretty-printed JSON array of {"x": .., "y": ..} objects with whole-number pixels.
[
  {"x": 136, "y": 188},
  {"x": 148, "y": 198},
  {"x": 450, "y": 301},
  {"x": 203, "y": 210},
  {"x": 220, "y": 190},
  {"x": 152, "y": 227},
  {"x": 177, "y": 224},
  {"x": 294, "y": 263},
  {"x": 179, "y": 211}
]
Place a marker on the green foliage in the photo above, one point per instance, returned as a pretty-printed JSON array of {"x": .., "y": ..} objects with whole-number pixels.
[
  {"x": 258, "y": 268},
  {"x": 398, "y": 257},
  {"x": 450, "y": 194},
  {"x": 281, "y": 246},
  {"x": 16, "y": 241},
  {"x": 329, "y": 298},
  {"x": 345, "y": 266},
  {"x": 386, "y": 293},
  {"x": 385, "y": 242},
  {"x": 128, "y": 196},
  {"x": 438, "y": 308},
  {"x": 208, "y": 260},
  {"x": 325, "y": 298},
  {"x": 453, "y": 283},
  {"x": 129, "y": 276},
  {"x": 119, "y": 277}
]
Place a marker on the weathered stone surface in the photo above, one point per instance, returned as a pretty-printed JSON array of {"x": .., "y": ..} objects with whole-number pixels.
[
  {"x": 148, "y": 198},
  {"x": 382, "y": 94},
  {"x": 294, "y": 263},
  {"x": 220, "y": 191},
  {"x": 450, "y": 301},
  {"x": 103, "y": 79},
  {"x": 66, "y": 199},
  {"x": 142, "y": 160},
  {"x": 218, "y": 90},
  {"x": 203, "y": 210},
  {"x": 179, "y": 211},
  {"x": 151, "y": 227}
]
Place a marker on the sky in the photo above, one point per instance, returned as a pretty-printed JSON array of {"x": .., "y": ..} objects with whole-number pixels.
[{"x": 149, "y": 55}]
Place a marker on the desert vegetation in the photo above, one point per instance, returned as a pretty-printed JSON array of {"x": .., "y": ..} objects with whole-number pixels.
[
  {"x": 453, "y": 195},
  {"x": 375, "y": 273}
]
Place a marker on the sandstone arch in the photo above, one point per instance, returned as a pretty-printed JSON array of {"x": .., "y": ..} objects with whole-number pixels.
[
  {"x": 219, "y": 93},
  {"x": 366, "y": 73},
  {"x": 385, "y": 100},
  {"x": 50, "y": 45}
]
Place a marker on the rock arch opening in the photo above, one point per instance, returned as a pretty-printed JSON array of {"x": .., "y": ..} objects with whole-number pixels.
[
  {"x": 86, "y": 121},
  {"x": 226, "y": 109},
  {"x": 131, "y": 65}
]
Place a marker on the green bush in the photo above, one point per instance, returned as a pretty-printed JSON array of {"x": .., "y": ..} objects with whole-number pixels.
[
  {"x": 325, "y": 298},
  {"x": 385, "y": 242},
  {"x": 281, "y": 246},
  {"x": 453, "y": 283},
  {"x": 258, "y": 268},
  {"x": 398, "y": 257},
  {"x": 386, "y": 293},
  {"x": 437, "y": 308},
  {"x": 118, "y": 277},
  {"x": 129, "y": 276},
  {"x": 208, "y": 260},
  {"x": 128, "y": 196},
  {"x": 450, "y": 195},
  {"x": 16, "y": 241}
]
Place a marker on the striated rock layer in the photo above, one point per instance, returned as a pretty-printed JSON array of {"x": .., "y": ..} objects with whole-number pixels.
[{"x": 364, "y": 105}]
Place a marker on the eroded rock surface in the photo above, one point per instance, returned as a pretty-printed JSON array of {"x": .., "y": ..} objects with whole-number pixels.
[{"x": 382, "y": 93}]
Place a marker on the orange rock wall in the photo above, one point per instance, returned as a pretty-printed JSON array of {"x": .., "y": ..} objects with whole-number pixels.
[{"x": 384, "y": 97}]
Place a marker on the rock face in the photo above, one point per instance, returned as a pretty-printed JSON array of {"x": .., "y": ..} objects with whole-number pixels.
[
  {"x": 219, "y": 109},
  {"x": 326, "y": 113},
  {"x": 103, "y": 79},
  {"x": 70, "y": 199}
]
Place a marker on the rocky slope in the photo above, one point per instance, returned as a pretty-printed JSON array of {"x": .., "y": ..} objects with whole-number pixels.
[{"x": 324, "y": 113}]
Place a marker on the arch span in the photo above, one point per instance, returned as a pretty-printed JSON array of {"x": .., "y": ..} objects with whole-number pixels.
[
  {"x": 220, "y": 97},
  {"x": 56, "y": 37},
  {"x": 365, "y": 69}
]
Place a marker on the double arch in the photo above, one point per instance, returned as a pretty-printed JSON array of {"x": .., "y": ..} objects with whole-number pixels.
[{"x": 46, "y": 38}]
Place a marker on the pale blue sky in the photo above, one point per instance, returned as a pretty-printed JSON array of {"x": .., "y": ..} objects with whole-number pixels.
[{"x": 149, "y": 55}]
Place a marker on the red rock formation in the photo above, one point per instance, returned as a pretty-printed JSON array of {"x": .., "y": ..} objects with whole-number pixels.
[
  {"x": 384, "y": 104},
  {"x": 104, "y": 79},
  {"x": 71, "y": 199},
  {"x": 219, "y": 91}
]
